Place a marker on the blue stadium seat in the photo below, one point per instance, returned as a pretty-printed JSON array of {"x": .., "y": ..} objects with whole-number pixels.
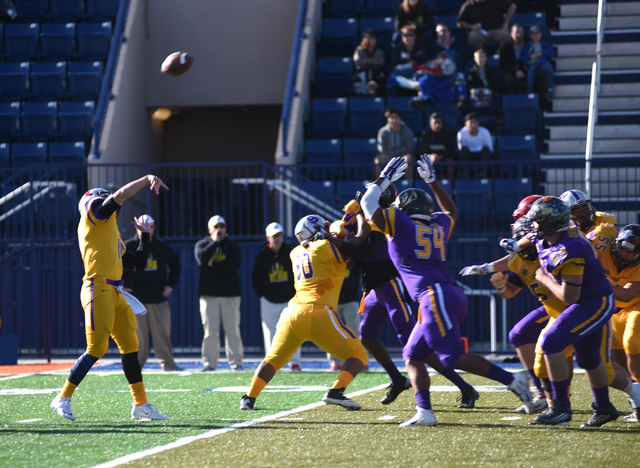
[
  {"x": 48, "y": 80},
  {"x": 1, "y": 38},
  {"x": 9, "y": 121},
  {"x": 67, "y": 10},
  {"x": 102, "y": 10},
  {"x": 329, "y": 117},
  {"x": 382, "y": 8},
  {"x": 75, "y": 120},
  {"x": 473, "y": 198},
  {"x": 517, "y": 148},
  {"x": 508, "y": 193},
  {"x": 450, "y": 115},
  {"x": 360, "y": 152},
  {"x": 449, "y": 7},
  {"x": 384, "y": 28},
  {"x": 344, "y": 8},
  {"x": 346, "y": 190},
  {"x": 24, "y": 154},
  {"x": 413, "y": 118},
  {"x": 14, "y": 81},
  {"x": 21, "y": 41},
  {"x": 521, "y": 114},
  {"x": 339, "y": 37},
  {"x": 94, "y": 40},
  {"x": 67, "y": 152},
  {"x": 58, "y": 209},
  {"x": 84, "y": 80},
  {"x": 58, "y": 40},
  {"x": 323, "y": 151},
  {"x": 334, "y": 76},
  {"x": 39, "y": 120},
  {"x": 31, "y": 10},
  {"x": 366, "y": 116},
  {"x": 4, "y": 155}
]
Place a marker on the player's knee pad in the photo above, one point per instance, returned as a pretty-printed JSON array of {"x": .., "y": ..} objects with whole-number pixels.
[
  {"x": 631, "y": 344},
  {"x": 540, "y": 367},
  {"x": 97, "y": 344},
  {"x": 361, "y": 354},
  {"x": 127, "y": 343}
]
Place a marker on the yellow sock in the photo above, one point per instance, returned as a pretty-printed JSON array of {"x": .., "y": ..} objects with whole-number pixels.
[
  {"x": 343, "y": 380},
  {"x": 257, "y": 385},
  {"x": 68, "y": 389},
  {"x": 138, "y": 393}
]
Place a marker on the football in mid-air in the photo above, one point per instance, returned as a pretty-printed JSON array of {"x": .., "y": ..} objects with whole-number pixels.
[{"x": 177, "y": 64}]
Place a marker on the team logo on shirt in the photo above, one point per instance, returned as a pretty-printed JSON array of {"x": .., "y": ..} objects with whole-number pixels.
[
  {"x": 558, "y": 256},
  {"x": 524, "y": 272},
  {"x": 152, "y": 264},
  {"x": 218, "y": 255},
  {"x": 278, "y": 274}
]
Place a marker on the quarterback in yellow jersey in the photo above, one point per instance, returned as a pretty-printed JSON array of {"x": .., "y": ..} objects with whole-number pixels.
[
  {"x": 619, "y": 253},
  {"x": 583, "y": 214},
  {"x": 319, "y": 270},
  {"x": 107, "y": 309}
]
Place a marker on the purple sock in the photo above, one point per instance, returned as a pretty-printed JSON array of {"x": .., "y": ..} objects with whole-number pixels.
[
  {"x": 601, "y": 397},
  {"x": 560, "y": 391},
  {"x": 535, "y": 379},
  {"x": 394, "y": 374},
  {"x": 455, "y": 378},
  {"x": 500, "y": 375},
  {"x": 424, "y": 399}
]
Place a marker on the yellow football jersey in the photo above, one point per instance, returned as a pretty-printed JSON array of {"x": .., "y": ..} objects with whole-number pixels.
[
  {"x": 526, "y": 270},
  {"x": 602, "y": 239},
  {"x": 319, "y": 272},
  {"x": 100, "y": 244}
]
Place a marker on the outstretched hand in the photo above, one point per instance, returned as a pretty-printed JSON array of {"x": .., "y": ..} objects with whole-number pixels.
[
  {"x": 394, "y": 169},
  {"x": 143, "y": 227},
  {"x": 476, "y": 270},
  {"x": 426, "y": 169},
  {"x": 155, "y": 184}
]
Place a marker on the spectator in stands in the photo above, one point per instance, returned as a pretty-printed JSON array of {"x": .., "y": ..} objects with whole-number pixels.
[
  {"x": 487, "y": 21},
  {"x": 439, "y": 143},
  {"x": 537, "y": 56},
  {"x": 369, "y": 61},
  {"x": 405, "y": 58},
  {"x": 395, "y": 139},
  {"x": 445, "y": 42},
  {"x": 513, "y": 70},
  {"x": 415, "y": 12},
  {"x": 481, "y": 83},
  {"x": 474, "y": 144}
]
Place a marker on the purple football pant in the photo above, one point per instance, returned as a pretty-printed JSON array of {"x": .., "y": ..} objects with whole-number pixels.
[
  {"x": 528, "y": 329},
  {"x": 442, "y": 308},
  {"x": 384, "y": 302}
]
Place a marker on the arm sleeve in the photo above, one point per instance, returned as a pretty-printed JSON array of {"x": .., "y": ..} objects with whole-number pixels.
[
  {"x": 547, "y": 50},
  {"x": 137, "y": 261},
  {"x": 108, "y": 207},
  {"x": 204, "y": 250},
  {"x": 175, "y": 267}
]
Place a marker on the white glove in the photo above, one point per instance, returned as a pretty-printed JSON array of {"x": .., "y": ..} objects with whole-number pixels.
[
  {"x": 477, "y": 269},
  {"x": 394, "y": 169},
  {"x": 510, "y": 245},
  {"x": 425, "y": 169},
  {"x": 499, "y": 281}
]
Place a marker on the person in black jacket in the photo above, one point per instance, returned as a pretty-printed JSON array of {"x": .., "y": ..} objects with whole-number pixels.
[
  {"x": 272, "y": 278},
  {"x": 439, "y": 143},
  {"x": 513, "y": 70},
  {"x": 152, "y": 288},
  {"x": 219, "y": 291}
]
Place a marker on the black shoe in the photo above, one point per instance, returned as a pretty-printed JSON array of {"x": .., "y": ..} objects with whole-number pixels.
[
  {"x": 335, "y": 396},
  {"x": 601, "y": 416},
  {"x": 394, "y": 390},
  {"x": 557, "y": 413},
  {"x": 247, "y": 403},
  {"x": 468, "y": 397}
]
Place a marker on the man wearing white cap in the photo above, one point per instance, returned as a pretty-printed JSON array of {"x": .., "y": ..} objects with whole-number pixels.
[
  {"x": 272, "y": 278},
  {"x": 152, "y": 288},
  {"x": 219, "y": 290}
]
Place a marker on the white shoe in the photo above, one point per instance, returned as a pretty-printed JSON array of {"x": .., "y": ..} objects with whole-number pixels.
[
  {"x": 520, "y": 386},
  {"x": 634, "y": 395},
  {"x": 335, "y": 397},
  {"x": 146, "y": 411},
  {"x": 423, "y": 417},
  {"x": 538, "y": 405},
  {"x": 633, "y": 417},
  {"x": 63, "y": 407}
]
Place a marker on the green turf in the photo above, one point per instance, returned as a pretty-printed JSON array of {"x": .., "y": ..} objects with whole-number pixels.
[{"x": 322, "y": 436}]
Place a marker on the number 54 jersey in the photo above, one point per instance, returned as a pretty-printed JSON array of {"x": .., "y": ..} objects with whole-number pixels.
[
  {"x": 419, "y": 251},
  {"x": 319, "y": 271}
]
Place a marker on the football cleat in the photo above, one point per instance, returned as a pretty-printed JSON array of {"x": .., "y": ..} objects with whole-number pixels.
[
  {"x": 633, "y": 417},
  {"x": 393, "y": 390},
  {"x": 601, "y": 416},
  {"x": 634, "y": 395},
  {"x": 335, "y": 368},
  {"x": 538, "y": 405},
  {"x": 248, "y": 403},
  {"x": 63, "y": 407},
  {"x": 146, "y": 411},
  {"x": 520, "y": 386},
  {"x": 296, "y": 368},
  {"x": 556, "y": 414},
  {"x": 335, "y": 397},
  {"x": 468, "y": 398},
  {"x": 423, "y": 417}
]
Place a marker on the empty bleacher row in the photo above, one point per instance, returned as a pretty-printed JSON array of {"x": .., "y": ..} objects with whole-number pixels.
[
  {"x": 19, "y": 155},
  {"x": 65, "y": 10}
]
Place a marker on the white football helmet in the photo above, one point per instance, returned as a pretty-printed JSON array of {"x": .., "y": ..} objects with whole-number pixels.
[
  {"x": 310, "y": 228},
  {"x": 582, "y": 211}
]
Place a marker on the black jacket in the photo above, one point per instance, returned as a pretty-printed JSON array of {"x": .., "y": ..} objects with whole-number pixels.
[
  {"x": 222, "y": 278},
  {"x": 272, "y": 274},
  {"x": 148, "y": 285},
  {"x": 443, "y": 142}
]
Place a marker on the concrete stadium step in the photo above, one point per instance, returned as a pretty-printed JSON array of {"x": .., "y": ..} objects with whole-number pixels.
[
  {"x": 606, "y": 76},
  {"x": 606, "y": 89},
  {"x": 578, "y": 23},
  {"x": 589, "y": 37},
  {"x": 600, "y": 146},
  {"x": 608, "y": 62},
  {"x": 589, "y": 50},
  {"x": 606, "y": 103},
  {"x": 591, "y": 9},
  {"x": 551, "y": 119},
  {"x": 577, "y": 132}
]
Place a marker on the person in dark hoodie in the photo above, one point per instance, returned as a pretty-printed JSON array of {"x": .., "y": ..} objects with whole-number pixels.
[
  {"x": 272, "y": 279},
  {"x": 219, "y": 291}
]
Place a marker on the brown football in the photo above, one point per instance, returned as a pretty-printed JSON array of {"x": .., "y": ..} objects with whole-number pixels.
[{"x": 177, "y": 64}]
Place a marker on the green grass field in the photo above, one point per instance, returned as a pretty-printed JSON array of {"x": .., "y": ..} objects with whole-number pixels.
[{"x": 492, "y": 434}]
